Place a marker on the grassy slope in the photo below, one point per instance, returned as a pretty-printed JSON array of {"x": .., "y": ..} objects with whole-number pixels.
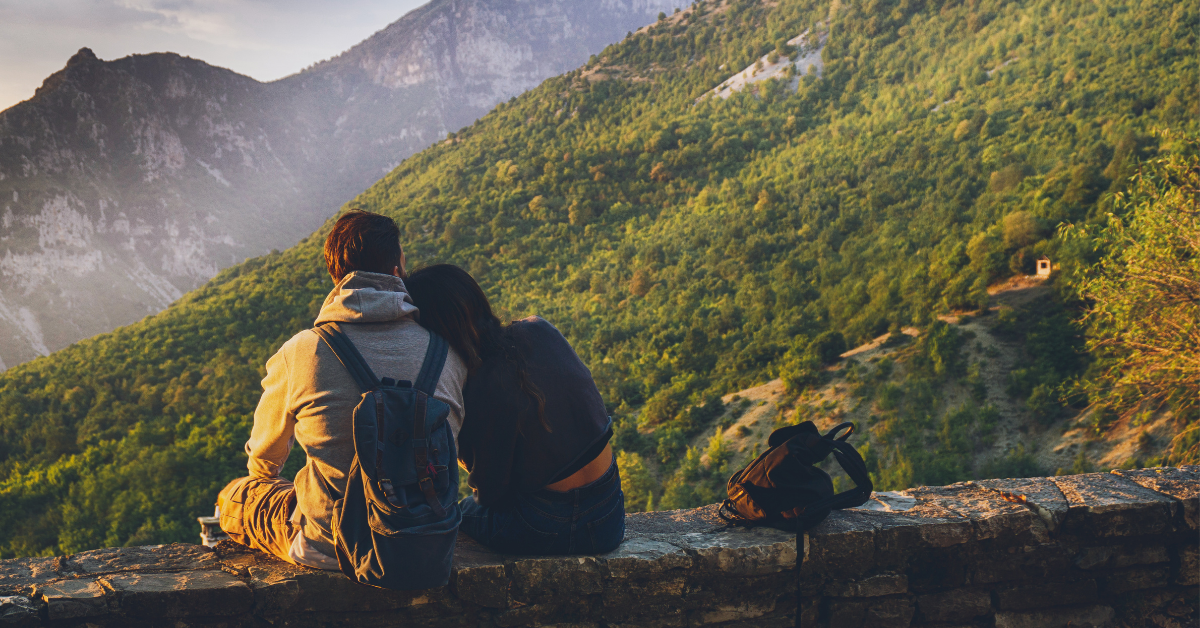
[{"x": 685, "y": 250}]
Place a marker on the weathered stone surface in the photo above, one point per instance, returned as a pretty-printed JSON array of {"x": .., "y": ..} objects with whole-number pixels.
[
  {"x": 1031, "y": 562},
  {"x": 754, "y": 552},
  {"x": 883, "y": 612},
  {"x": 1109, "y": 556},
  {"x": 747, "y": 611},
  {"x": 642, "y": 557},
  {"x": 1027, "y": 596},
  {"x": 477, "y": 577},
  {"x": 899, "y": 535},
  {"x": 1105, "y": 504},
  {"x": 843, "y": 545},
  {"x": 993, "y": 516},
  {"x": 1181, "y": 483},
  {"x": 18, "y": 611},
  {"x": 1189, "y": 566},
  {"x": 969, "y": 554},
  {"x": 173, "y": 557},
  {"x": 704, "y": 519},
  {"x": 557, "y": 576},
  {"x": 959, "y": 605},
  {"x": 1097, "y": 616},
  {"x": 1135, "y": 579},
  {"x": 1041, "y": 495},
  {"x": 184, "y": 594},
  {"x": 18, "y": 575},
  {"x": 274, "y": 593},
  {"x": 338, "y": 594},
  {"x": 71, "y": 599},
  {"x": 874, "y": 586}
]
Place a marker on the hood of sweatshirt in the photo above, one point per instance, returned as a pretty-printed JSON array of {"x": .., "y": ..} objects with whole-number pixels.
[{"x": 363, "y": 297}]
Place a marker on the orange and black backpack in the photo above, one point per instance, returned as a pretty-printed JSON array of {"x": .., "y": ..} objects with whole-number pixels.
[{"x": 783, "y": 488}]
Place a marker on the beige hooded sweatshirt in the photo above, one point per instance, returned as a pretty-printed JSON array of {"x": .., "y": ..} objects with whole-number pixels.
[{"x": 309, "y": 396}]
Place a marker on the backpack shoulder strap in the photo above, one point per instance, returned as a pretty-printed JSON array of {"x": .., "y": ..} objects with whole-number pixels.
[
  {"x": 852, "y": 463},
  {"x": 431, "y": 368},
  {"x": 348, "y": 355}
]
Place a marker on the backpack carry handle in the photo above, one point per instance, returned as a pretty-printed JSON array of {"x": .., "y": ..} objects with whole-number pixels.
[{"x": 832, "y": 434}]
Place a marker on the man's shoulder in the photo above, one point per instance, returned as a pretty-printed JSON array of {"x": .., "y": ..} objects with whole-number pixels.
[{"x": 304, "y": 341}]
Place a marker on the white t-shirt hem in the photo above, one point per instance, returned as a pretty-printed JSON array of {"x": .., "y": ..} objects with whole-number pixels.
[{"x": 304, "y": 554}]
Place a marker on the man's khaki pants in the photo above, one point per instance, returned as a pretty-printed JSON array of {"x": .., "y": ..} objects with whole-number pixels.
[{"x": 257, "y": 512}]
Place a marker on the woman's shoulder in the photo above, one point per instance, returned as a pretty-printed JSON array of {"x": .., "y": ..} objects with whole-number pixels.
[{"x": 534, "y": 328}]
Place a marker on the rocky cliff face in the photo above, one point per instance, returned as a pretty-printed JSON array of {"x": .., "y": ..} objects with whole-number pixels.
[{"x": 126, "y": 183}]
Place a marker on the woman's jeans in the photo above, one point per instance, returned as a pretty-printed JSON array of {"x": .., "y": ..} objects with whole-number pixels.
[{"x": 586, "y": 520}]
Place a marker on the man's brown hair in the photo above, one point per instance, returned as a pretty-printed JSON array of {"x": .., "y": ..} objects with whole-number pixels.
[{"x": 362, "y": 240}]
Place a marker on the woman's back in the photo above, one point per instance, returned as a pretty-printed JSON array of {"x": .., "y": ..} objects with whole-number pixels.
[{"x": 503, "y": 443}]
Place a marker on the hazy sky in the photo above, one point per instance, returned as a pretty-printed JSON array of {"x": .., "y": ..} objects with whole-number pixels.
[{"x": 265, "y": 39}]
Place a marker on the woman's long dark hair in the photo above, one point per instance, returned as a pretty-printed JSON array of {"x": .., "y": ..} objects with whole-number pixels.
[{"x": 454, "y": 306}]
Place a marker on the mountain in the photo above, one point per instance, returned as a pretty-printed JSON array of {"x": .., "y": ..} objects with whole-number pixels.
[
  {"x": 126, "y": 183},
  {"x": 688, "y": 247}
]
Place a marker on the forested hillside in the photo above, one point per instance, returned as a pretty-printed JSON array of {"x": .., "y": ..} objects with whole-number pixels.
[{"x": 687, "y": 249}]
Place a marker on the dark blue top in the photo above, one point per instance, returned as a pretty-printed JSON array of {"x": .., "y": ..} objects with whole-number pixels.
[{"x": 504, "y": 453}]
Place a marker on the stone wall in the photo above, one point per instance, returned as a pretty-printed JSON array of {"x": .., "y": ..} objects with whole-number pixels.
[{"x": 1100, "y": 549}]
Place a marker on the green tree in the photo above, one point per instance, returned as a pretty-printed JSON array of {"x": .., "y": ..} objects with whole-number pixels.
[{"x": 1144, "y": 320}]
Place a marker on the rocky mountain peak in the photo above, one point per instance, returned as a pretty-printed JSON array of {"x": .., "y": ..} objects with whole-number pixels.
[{"x": 85, "y": 55}]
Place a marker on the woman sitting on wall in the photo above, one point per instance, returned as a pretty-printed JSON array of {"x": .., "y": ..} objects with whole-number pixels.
[{"x": 535, "y": 432}]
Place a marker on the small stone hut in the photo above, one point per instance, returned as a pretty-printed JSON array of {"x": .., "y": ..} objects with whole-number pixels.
[{"x": 1043, "y": 266}]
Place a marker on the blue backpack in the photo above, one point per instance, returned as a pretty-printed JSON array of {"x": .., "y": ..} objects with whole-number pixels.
[{"x": 396, "y": 525}]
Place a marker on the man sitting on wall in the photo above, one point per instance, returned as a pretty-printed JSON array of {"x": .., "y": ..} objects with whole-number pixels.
[{"x": 309, "y": 397}]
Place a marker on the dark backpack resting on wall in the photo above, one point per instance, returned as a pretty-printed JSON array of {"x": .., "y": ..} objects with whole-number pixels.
[
  {"x": 783, "y": 488},
  {"x": 396, "y": 525}
]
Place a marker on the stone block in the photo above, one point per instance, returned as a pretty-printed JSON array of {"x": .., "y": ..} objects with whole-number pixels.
[
  {"x": 628, "y": 606},
  {"x": 874, "y": 586},
  {"x": 1094, "y": 557},
  {"x": 733, "y": 613},
  {"x": 665, "y": 593},
  {"x": 561, "y": 611},
  {"x": 900, "y": 535},
  {"x": 672, "y": 522},
  {"x": 841, "y": 546},
  {"x": 1047, "y": 561},
  {"x": 274, "y": 593},
  {"x": 1118, "y": 556},
  {"x": 1040, "y": 495},
  {"x": 1105, "y": 504},
  {"x": 742, "y": 552},
  {"x": 1043, "y": 595},
  {"x": 1189, "y": 566},
  {"x": 993, "y": 516},
  {"x": 183, "y": 594},
  {"x": 544, "y": 578},
  {"x": 957, "y": 605},
  {"x": 1095, "y": 616},
  {"x": 74, "y": 599},
  {"x": 332, "y": 592},
  {"x": 1136, "y": 579},
  {"x": 478, "y": 576},
  {"x": 810, "y": 610},
  {"x": 939, "y": 569},
  {"x": 645, "y": 557},
  {"x": 1143, "y": 555},
  {"x": 18, "y": 611},
  {"x": 1181, "y": 483},
  {"x": 172, "y": 557},
  {"x": 18, "y": 575},
  {"x": 881, "y": 612}
]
